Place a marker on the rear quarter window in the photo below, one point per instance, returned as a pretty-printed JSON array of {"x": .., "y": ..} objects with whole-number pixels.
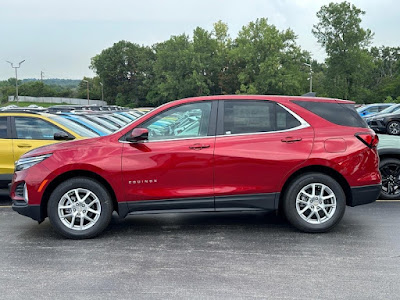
[{"x": 334, "y": 112}]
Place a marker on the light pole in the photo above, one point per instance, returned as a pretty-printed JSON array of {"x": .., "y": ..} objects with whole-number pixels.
[
  {"x": 102, "y": 91},
  {"x": 16, "y": 77},
  {"x": 87, "y": 89},
  {"x": 309, "y": 65}
]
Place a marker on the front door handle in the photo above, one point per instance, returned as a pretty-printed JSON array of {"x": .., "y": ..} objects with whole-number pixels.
[
  {"x": 24, "y": 145},
  {"x": 291, "y": 140},
  {"x": 198, "y": 146}
]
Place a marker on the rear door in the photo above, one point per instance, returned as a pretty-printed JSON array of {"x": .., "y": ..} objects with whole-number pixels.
[{"x": 258, "y": 143}]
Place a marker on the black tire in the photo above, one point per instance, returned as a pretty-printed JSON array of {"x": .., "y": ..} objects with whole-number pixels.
[
  {"x": 390, "y": 170},
  {"x": 72, "y": 220},
  {"x": 393, "y": 128},
  {"x": 295, "y": 201}
]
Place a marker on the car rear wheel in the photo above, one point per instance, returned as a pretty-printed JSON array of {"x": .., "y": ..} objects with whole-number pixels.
[
  {"x": 80, "y": 208},
  {"x": 390, "y": 170},
  {"x": 314, "y": 202},
  {"x": 393, "y": 128}
]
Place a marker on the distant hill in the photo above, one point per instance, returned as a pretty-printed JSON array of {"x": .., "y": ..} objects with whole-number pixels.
[{"x": 55, "y": 81}]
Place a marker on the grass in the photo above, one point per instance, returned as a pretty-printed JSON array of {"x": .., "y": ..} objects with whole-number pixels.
[{"x": 24, "y": 104}]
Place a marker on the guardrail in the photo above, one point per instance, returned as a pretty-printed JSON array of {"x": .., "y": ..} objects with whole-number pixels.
[{"x": 57, "y": 100}]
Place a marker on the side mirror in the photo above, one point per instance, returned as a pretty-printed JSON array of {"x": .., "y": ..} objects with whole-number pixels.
[
  {"x": 62, "y": 136},
  {"x": 138, "y": 135}
]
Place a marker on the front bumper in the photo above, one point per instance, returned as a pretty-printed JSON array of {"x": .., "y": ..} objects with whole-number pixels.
[
  {"x": 364, "y": 194},
  {"x": 377, "y": 126},
  {"x": 32, "y": 211}
]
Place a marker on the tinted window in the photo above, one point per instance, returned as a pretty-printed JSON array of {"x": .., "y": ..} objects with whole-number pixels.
[
  {"x": 35, "y": 129},
  {"x": 184, "y": 121},
  {"x": 256, "y": 116},
  {"x": 337, "y": 113},
  {"x": 3, "y": 127}
]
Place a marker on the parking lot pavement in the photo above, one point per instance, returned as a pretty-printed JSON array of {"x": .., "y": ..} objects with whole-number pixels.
[{"x": 205, "y": 256}]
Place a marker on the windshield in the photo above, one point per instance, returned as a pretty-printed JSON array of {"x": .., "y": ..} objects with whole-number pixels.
[
  {"x": 390, "y": 109},
  {"x": 82, "y": 131}
]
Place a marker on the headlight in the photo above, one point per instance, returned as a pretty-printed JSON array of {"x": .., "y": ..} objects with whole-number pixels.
[{"x": 25, "y": 163}]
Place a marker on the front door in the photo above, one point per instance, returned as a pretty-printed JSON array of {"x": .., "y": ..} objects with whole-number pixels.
[
  {"x": 31, "y": 133},
  {"x": 175, "y": 164}
]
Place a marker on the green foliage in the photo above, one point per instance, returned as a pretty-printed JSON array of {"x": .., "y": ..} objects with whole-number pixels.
[
  {"x": 127, "y": 69},
  {"x": 388, "y": 99},
  {"x": 349, "y": 63}
]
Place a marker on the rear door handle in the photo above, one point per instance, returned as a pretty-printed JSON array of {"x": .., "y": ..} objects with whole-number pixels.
[
  {"x": 24, "y": 145},
  {"x": 198, "y": 146},
  {"x": 290, "y": 139}
]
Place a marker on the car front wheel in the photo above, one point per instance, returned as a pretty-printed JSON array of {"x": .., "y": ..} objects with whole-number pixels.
[
  {"x": 314, "y": 202},
  {"x": 390, "y": 170},
  {"x": 80, "y": 208},
  {"x": 393, "y": 128}
]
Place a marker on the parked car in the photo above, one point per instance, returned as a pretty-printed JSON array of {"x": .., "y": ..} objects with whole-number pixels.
[
  {"x": 306, "y": 157},
  {"x": 389, "y": 110},
  {"x": 24, "y": 131},
  {"x": 98, "y": 129},
  {"x": 372, "y": 108},
  {"x": 389, "y": 166},
  {"x": 387, "y": 123}
]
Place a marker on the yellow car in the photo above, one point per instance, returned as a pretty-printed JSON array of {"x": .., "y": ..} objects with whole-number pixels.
[{"x": 24, "y": 131}]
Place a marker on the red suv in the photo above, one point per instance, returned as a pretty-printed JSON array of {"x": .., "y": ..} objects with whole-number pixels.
[{"x": 307, "y": 157}]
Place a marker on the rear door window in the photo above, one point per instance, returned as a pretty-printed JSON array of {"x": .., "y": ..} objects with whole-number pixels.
[{"x": 246, "y": 116}]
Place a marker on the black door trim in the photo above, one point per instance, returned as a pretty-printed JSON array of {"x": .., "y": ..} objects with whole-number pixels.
[{"x": 254, "y": 202}]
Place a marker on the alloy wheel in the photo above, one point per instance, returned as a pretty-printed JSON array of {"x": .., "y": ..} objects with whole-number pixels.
[
  {"x": 390, "y": 179},
  {"x": 316, "y": 203},
  {"x": 79, "y": 209}
]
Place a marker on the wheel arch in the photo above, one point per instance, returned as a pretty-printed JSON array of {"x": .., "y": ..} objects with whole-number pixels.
[
  {"x": 71, "y": 174},
  {"x": 318, "y": 169}
]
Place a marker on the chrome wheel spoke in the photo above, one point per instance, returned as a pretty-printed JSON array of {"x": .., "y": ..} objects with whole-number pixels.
[
  {"x": 72, "y": 221},
  {"x": 93, "y": 211}
]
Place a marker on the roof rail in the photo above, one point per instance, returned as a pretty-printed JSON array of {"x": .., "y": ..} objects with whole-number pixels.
[{"x": 21, "y": 111}]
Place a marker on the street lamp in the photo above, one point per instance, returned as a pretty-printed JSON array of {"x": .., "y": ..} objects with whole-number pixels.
[
  {"x": 102, "y": 91},
  {"x": 309, "y": 65},
  {"x": 87, "y": 89},
  {"x": 16, "y": 76}
]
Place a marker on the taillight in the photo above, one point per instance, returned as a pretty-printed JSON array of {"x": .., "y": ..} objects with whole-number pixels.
[{"x": 370, "y": 140}]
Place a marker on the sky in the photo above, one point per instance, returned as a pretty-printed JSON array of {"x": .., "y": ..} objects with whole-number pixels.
[{"x": 59, "y": 37}]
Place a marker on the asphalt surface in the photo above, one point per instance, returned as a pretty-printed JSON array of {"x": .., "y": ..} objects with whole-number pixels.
[{"x": 204, "y": 256}]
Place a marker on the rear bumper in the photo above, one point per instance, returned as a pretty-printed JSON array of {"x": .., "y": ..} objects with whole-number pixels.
[
  {"x": 32, "y": 211},
  {"x": 364, "y": 194}
]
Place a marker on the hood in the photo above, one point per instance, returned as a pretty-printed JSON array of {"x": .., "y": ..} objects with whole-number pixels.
[{"x": 60, "y": 146}]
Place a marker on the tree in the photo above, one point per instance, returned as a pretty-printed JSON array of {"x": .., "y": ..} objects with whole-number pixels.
[
  {"x": 126, "y": 69},
  {"x": 349, "y": 63},
  {"x": 268, "y": 60}
]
